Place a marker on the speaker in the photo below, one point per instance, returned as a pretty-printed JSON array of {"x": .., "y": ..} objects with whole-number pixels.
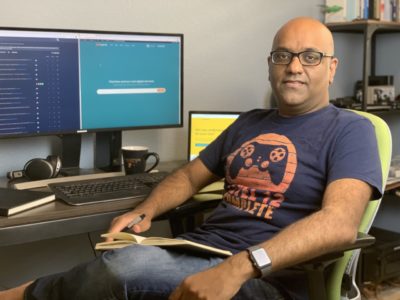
[{"x": 39, "y": 168}]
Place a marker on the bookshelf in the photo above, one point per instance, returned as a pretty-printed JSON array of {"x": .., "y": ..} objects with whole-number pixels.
[{"x": 369, "y": 29}]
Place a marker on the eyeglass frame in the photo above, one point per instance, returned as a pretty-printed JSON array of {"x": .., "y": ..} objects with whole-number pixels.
[{"x": 297, "y": 54}]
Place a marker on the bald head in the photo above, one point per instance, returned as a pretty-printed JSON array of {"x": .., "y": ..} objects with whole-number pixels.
[
  {"x": 306, "y": 33},
  {"x": 300, "y": 87}
]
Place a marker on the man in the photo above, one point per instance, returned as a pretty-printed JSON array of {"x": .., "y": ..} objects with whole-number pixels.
[{"x": 297, "y": 181}]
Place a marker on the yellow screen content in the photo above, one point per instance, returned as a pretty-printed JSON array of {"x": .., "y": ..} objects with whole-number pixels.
[{"x": 205, "y": 128}]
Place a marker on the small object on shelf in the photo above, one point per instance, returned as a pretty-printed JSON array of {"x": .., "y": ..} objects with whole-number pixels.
[
  {"x": 352, "y": 103},
  {"x": 334, "y": 10},
  {"x": 380, "y": 95},
  {"x": 380, "y": 90},
  {"x": 346, "y": 102}
]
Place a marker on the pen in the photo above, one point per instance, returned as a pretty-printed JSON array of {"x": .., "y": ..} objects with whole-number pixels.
[{"x": 136, "y": 220}]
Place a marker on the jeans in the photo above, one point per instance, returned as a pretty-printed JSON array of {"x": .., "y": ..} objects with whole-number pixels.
[{"x": 135, "y": 272}]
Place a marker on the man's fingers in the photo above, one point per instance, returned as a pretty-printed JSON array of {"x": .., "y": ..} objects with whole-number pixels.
[{"x": 118, "y": 224}]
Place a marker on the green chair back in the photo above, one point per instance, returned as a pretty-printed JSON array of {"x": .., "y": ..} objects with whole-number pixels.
[{"x": 384, "y": 139}]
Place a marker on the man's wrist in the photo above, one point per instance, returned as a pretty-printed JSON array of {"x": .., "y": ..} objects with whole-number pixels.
[
  {"x": 239, "y": 266},
  {"x": 144, "y": 208},
  {"x": 260, "y": 260}
]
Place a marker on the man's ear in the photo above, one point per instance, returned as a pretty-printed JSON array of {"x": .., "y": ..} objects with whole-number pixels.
[
  {"x": 332, "y": 69},
  {"x": 269, "y": 68}
]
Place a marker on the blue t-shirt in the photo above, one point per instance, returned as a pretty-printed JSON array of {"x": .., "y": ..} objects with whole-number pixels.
[{"x": 276, "y": 170}]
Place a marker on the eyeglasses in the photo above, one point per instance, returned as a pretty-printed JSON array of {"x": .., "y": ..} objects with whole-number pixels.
[{"x": 306, "y": 58}]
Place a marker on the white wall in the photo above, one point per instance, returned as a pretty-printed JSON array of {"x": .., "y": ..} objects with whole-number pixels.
[{"x": 226, "y": 45}]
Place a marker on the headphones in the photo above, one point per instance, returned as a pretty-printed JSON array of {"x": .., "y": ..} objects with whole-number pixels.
[{"x": 38, "y": 168}]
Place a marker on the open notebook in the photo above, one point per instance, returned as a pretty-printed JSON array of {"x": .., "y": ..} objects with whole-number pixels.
[{"x": 123, "y": 239}]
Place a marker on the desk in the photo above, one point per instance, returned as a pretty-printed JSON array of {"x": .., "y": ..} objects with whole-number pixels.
[{"x": 58, "y": 219}]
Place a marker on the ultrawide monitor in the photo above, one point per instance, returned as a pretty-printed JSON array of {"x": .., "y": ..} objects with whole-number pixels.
[
  {"x": 63, "y": 81},
  {"x": 206, "y": 126}
]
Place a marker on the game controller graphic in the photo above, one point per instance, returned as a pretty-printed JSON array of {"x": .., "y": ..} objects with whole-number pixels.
[
  {"x": 266, "y": 162},
  {"x": 271, "y": 158}
]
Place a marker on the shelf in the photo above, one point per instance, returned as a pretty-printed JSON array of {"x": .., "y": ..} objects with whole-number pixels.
[
  {"x": 369, "y": 29},
  {"x": 360, "y": 26}
]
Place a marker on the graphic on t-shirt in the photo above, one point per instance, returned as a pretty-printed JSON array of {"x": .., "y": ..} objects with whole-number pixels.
[
  {"x": 259, "y": 172},
  {"x": 268, "y": 162}
]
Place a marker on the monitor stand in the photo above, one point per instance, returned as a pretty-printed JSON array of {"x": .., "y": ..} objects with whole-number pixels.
[
  {"x": 108, "y": 151},
  {"x": 70, "y": 154}
]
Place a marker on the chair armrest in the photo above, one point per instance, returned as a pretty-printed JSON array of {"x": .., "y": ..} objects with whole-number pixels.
[
  {"x": 362, "y": 240},
  {"x": 316, "y": 267}
]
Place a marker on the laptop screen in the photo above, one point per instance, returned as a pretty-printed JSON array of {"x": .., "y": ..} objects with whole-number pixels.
[{"x": 206, "y": 126}]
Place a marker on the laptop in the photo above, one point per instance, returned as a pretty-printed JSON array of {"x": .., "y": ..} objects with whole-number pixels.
[{"x": 206, "y": 126}]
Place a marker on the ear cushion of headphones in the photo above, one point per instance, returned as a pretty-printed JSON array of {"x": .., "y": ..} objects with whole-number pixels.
[
  {"x": 38, "y": 168},
  {"x": 55, "y": 162}
]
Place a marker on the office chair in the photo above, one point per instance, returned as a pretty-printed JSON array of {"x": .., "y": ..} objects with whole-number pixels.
[
  {"x": 340, "y": 284},
  {"x": 331, "y": 276}
]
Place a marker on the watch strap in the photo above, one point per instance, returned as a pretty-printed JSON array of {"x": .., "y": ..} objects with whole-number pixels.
[{"x": 260, "y": 260}]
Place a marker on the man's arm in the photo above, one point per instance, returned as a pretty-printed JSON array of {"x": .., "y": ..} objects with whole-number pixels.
[
  {"x": 335, "y": 225},
  {"x": 332, "y": 227},
  {"x": 171, "y": 192}
]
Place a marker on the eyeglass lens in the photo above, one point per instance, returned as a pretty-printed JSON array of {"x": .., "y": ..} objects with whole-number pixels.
[{"x": 307, "y": 58}]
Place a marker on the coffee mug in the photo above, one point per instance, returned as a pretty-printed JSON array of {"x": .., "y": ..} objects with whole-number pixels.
[{"x": 135, "y": 158}]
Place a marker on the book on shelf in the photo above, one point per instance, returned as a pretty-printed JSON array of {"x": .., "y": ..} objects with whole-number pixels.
[
  {"x": 15, "y": 201},
  {"x": 123, "y": 239},
  {"x": 349, "y": 10}
]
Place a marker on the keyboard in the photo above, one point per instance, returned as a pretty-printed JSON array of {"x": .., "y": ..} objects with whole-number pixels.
[{"x": 99, "y": 190}]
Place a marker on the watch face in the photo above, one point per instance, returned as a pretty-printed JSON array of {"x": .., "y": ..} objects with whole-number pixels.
[{"x": 261, "y": 257}]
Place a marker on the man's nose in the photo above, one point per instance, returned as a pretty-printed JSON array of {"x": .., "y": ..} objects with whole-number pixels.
[{"x": 295, "y": 65}]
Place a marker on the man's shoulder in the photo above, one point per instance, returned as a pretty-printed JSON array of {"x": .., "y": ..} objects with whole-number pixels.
[
  {"x": 344, "y": 115},
  {"x": 348, "y": 121},
  {"x": 349, "y": 116}
]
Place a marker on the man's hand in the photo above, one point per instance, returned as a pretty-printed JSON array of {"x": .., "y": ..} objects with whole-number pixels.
[
  {"x": 121, "y": 222},
  {"x": 209, "y": 284},
  {"x": 220, "y": 282}
]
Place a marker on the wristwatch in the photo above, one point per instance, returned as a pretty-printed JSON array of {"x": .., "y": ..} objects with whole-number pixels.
[{"x": 260, "y": 260}]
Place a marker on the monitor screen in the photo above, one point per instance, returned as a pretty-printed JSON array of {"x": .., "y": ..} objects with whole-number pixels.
[
  {"x": 206, "y": 126},
  {"x": 63, "y": 81}
]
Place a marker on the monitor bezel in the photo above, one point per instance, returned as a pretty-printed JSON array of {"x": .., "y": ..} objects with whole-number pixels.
[
  {"x": 210, "y": 112},
  {"x": 113, "y": 129}
]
